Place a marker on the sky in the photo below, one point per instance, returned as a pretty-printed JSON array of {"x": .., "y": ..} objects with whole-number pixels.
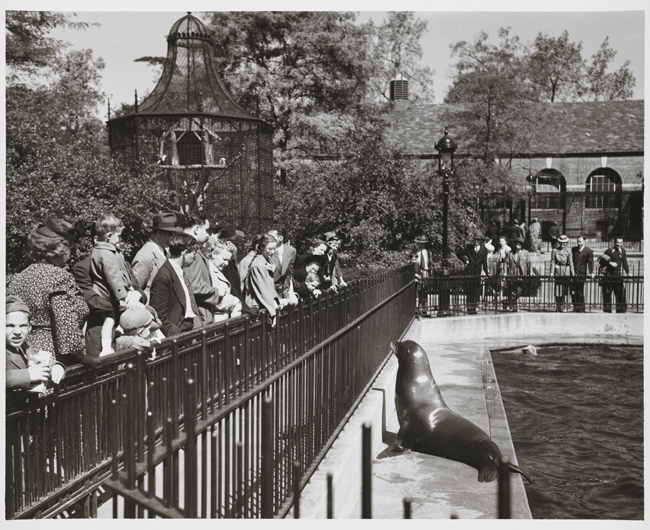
[{"x": 129, "y": 31}]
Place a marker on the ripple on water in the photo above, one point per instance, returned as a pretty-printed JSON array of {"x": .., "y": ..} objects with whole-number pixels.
[{"x": 576, "y": 419}]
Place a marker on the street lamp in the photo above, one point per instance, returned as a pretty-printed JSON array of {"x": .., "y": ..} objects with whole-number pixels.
[{"x": 445, "y": 147}]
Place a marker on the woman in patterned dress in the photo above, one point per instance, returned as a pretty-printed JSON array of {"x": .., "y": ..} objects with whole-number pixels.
[
  {"x": 51, "y": 293},
  {"x": 562, "y": 269}
]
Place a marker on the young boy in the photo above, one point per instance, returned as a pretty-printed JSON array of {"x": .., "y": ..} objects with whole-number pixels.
[
  {"x": 25, "y": 369},
  {"x": 112, "y": 280},
  {"x": 140, "y": 328}
]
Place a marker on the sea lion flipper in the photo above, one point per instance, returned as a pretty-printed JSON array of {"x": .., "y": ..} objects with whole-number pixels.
[
  {"x": 402, "y": 443},
  {"x": 517, "y": 469}
]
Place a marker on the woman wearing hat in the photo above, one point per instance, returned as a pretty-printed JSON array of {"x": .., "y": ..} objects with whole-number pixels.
[
  {"x": 562, "y": 269},
  {"x": 57, "y": 306}
]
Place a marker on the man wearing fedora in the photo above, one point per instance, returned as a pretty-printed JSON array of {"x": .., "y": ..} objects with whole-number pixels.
[
  {"x": 332, "y": 265},
  {"x": 284, "y": 260},
  {"x": 613, "y": 262},
  {"x": 153, "y": 254},
  {"x": 583, "y": 263},
  {"x": 475, "y": 257},
  {"x": 518, "y": 266},
  {"x": 423, "y": 262}
]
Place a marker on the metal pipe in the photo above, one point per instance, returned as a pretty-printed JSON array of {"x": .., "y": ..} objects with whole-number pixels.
[
  {"x": 267, "y": 457},
  {"x": 504, "y": 488},
  {"x": 330, "y": 496},
  {"x": 407, "y": 507}
]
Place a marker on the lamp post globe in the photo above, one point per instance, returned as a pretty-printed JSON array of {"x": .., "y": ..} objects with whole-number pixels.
[{"x": 446, "y": 147}]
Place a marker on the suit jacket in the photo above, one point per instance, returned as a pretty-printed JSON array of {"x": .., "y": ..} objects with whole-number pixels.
[
  {"x": 583, "y": 261},
  {"x": 259, "y": 287},
  {"x": 475, "y": 260},
  {"x": 205, "y": 294},
  {"x": 147, "y": 263},
  {"x": 419, "y": 269},
  {"x": 17, "y": 373},
  {"x": 283, "y": 272},
  {"x": 168, "y": 299},
  {"x": 620, "y": 258},
  {"x": 519, "y": 263}
]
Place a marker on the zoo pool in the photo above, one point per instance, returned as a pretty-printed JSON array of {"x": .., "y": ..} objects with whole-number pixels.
[{"x": 575, "y": 414}]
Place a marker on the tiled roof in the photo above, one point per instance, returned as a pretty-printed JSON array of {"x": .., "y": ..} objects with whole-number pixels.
[{"x": 598, "y": 127}]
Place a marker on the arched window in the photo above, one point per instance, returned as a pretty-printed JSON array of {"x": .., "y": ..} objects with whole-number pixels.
[
  {"x": 549, "y": 183},
  {"x": 601, "y": 189}
]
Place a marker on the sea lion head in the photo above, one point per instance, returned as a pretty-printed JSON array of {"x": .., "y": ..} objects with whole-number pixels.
[{"x": 409, "y": 352}]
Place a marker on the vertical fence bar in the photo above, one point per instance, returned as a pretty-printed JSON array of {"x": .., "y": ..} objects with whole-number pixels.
[
  {"x": 296, "y": 489},
  {"x": 330, "y": 496},
  {"x": 407, "y": 507},
  {"x": 366, "y": 473},
  {"x": 504, "y": 489},
  {"x": 267, "y": 457},
  {"x": 190, "y": 474}
]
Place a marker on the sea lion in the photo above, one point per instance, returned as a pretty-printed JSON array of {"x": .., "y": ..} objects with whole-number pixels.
[{"x": 427, "y": 425}]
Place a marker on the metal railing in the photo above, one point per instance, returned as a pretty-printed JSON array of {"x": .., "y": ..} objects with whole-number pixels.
[
  {"x": 318, "y": 362},
  {"x": 501, "y": 294}
]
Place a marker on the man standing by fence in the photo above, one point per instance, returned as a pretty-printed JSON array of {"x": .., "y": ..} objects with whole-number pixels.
[
  {"x": 423, "y": 273},
  {"x": 611, "y": 263},
  {"x": 583, "y": 264},
  {"x": 475, "y": 257}
]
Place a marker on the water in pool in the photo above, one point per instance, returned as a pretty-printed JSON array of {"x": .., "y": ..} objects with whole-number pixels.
[{"x": 576, "y": 418}]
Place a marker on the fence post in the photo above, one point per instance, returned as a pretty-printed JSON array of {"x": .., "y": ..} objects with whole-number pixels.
[
  {"x": 504, "y": 488},
  {"x": 267, "y": 457},
  {"x": 407, "y": 507},
  {"x": 366, "y": 473},
  {"x": 330, "y": 497},
  {"x": 296, "y": 489}
]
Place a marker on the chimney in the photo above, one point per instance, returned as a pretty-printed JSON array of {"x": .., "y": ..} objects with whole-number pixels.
[{"x": 399, "y": 92}]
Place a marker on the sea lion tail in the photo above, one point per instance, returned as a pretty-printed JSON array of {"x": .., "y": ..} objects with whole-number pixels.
[{"x": 517, "y": 469}]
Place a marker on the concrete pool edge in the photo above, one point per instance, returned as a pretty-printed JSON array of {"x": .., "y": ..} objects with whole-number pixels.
[{"x": 344, "y": 459}]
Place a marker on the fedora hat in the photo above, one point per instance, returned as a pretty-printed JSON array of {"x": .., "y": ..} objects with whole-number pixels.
[
  {"x": 517, "y": 240},
  {"x": 330, "y": 235},
  {"x": 478, "y": 235},
  {"x": 166, "y": 221},
  {"x": 563, "y": 239},
  {"x": 421, "y": 239}
]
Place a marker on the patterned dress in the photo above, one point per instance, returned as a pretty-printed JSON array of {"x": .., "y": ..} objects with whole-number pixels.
[{"x": 58, "y": 310}]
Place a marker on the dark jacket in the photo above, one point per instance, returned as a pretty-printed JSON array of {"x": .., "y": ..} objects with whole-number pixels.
[
  {"x": 475, "y": 260},
  {"x": 620, "y": 258},
  {"x": 168, "y": 299},
  {"x": 583, "y": 260}
]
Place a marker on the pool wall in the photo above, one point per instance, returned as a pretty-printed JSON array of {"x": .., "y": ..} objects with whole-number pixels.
[{"x": 468, "y": 339}]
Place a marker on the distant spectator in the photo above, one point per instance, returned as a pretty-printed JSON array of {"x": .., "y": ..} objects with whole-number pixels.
[
  {"x": 501, "y": 263},
  {"x": 518, "y": 268},
  {"x": 57, "y": 306},
  {"x": 612, "y": 263},
  {"x": 562, "y": 269},
  {"x": 140, "y": 328},
  {"x": 171, "y": 295},
  {"x": 475, "y": 257},
  {"x": 534, "y": 231},
  {"x": 228, "y": 305},
  {"x": 245, "y": 262},
  {"x": 26, "y": 369},
  {"x": 554, "y": 233},
  {"x": 259, "y": 288},
  {"x": 198, "y": 271},
  {"x": 111, "y": 278},
  {"x": 231, "y": 270},
  {"x": 493, "y": 234},
  {"x": 583, "y": 264},
  {"x": 513, "y": 231},
  {"x": 311, "y": 267},
  {"x": 332, "y": 265},
  {"x": 284, "y": 259},
  {"x": 153, "y": 253}
]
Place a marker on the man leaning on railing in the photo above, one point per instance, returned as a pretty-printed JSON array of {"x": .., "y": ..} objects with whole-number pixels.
[{"x": 612, "y": 264}]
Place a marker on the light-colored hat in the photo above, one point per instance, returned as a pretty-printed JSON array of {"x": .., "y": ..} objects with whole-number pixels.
[
  {"x": 166, "y": 221},
  {"x": 330, "y": 235},
  {"x": 134, "y": 318},
  {"x": 421, "y": 239},
  {"x": 16, "y": 304},
  {"x": 563, "y": 239}
]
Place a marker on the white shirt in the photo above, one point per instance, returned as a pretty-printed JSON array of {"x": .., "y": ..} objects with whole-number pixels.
[
  {"x": 424, "y": 261},
  {"x": 188, "y": 301}
]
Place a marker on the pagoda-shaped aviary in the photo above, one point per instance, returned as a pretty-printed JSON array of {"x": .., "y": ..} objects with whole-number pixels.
[{"x": 216, "y": 155}]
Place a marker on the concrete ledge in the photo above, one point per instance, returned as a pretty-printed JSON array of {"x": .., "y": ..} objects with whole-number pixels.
[{"x": 451, "y": 489}]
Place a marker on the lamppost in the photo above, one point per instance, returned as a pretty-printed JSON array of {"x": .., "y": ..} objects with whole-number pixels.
[{"x": 445, "y": 147}]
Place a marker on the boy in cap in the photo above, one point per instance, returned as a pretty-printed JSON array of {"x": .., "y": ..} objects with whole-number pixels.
[
  {"x": 140, "y": 326},
  {"x": 26, "y": 369}
]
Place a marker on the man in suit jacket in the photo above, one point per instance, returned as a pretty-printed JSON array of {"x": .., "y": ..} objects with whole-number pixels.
[
  {"x": 152, "y": 255},
  {"x": 475, "y": 257},
  {"x": 518, "y": 265},
  {"x": 613, "y": 262},
  {"x": 171, "y": 294},
  {"x": 423, "y": 261},
  {"x": 583, "y": 265},
  {"x": 283, "y": 259}
]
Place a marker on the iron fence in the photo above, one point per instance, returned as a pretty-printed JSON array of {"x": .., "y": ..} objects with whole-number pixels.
[
  {"x": 318, "y": 361},
  {"x": 501, "y": 294}
]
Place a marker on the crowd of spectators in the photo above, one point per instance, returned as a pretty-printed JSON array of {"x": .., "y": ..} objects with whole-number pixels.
[{"x": 184, "y": 277}]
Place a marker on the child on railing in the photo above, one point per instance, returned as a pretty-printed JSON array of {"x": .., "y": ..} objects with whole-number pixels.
[
  {"x": 140, "y": 327},
  {"x": 26, "y": 369}
]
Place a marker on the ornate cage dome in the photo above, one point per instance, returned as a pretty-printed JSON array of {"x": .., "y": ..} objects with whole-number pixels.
[{"x": 216, "y": 155}]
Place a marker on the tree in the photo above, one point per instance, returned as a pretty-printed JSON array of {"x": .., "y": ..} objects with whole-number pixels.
[
  {"x": 395, "y": 49},
  {"x": 555, "y": 65},
  {"x": 599, "y": 85}
]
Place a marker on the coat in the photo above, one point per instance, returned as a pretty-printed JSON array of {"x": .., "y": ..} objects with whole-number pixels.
[
  {"x": 562, "y": 262},
  {"x": 284, "y": 271},
  {"x": 583, "y": 261},
  {"x": 476, "y": 261},
  {"x": 147, "y": 263},
  {"x": 620, "y": 258},
  {"x": 168, "y": 299},
  {"x": 200, "y": 280},
  {"x": 519, "y": 263},
  {"x": 259, "y": 288},
  {"x": 17, "y": 373},
  {"x": 108, "y": 271}
]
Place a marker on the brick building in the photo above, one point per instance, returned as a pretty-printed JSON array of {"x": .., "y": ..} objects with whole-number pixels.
[{"x": 588, "y": 176}]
